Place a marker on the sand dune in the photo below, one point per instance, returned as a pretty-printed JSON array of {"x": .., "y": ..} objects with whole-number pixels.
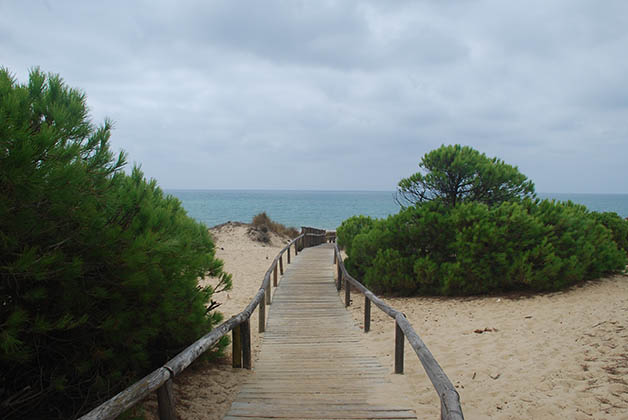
[{"x": 553, "y": 356}]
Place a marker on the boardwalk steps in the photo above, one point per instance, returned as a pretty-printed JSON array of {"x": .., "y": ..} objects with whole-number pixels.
[{"x": 312, "y": 363}]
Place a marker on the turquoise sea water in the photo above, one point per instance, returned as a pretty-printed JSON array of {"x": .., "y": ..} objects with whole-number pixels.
[
  {"x": 322, "y": 209},
  {"x": 327, "y": 209}
]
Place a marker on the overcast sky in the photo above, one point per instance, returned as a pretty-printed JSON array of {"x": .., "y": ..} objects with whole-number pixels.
[{"x": 341, "y": 95}]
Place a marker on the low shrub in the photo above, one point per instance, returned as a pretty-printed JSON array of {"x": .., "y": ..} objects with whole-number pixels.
[
  {"x": 617, "y": 225},
  {"x": 350, "y": 228},
  {"x": 475, "y": 249},
  {"x": 264, "y": 224}
]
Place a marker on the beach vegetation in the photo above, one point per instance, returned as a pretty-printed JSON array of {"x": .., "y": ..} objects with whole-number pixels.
[
  {"x": 451, "y": 244},
  {"x": 618, "y": 227},
  {"x": 350, "y": 228},
  {"x": 456, "y": 174},
  {"x": 98, "y": 268},
  {"x": 264, "y": 224}
]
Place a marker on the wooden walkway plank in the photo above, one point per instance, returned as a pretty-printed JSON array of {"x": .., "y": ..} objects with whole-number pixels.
[{"x": 312, "y": 363}]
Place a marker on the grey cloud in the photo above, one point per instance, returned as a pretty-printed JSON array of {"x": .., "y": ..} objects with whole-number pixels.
[{"x": 345, "y": 94}]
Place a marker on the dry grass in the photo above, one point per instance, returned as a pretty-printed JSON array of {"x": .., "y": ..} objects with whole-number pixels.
[{"x": 264, "y": 225}]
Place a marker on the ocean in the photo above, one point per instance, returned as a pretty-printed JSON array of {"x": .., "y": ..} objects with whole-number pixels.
[{"x": 327, "y": 209}]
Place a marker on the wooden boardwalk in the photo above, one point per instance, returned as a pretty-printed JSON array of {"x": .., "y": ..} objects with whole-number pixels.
[{"x": 312, "y": 363}]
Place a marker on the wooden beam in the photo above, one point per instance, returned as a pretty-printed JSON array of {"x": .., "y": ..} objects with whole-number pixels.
[
  {"x": 236, "y": 348},
  {"x": 245, "y": 332},
  {"x": 262, "y": 316},
  {"x": 367, "y": 314},
  {"x": 399, "y": 339},
  {"x": 130, "y": 396},
  {"x": 165, "y": 401},
  {"x": 275, "y": 276}
]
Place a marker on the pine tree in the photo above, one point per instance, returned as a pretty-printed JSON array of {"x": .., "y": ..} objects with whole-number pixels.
[
  {"x": 98, "y": 269},
  {"x": 457, "y": 174}
]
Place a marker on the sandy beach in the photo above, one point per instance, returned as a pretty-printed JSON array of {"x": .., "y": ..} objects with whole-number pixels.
[
  {"x": 552, "y": 356},
  {"x": 555, "y": 356}
]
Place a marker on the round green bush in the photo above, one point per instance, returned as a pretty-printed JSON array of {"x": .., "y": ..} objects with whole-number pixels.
[{"x": 476, "y": 249}]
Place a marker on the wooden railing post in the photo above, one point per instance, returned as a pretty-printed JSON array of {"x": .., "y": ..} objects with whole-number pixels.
[
  {"x": 288, "y": 255},
  {"x": 367, "y": 314},
  {"x": 281, "y": 265},
  {"x": 296, "y": 248},
  {"x": 339, "y": 284},
  {"x": 262, "y": 315},
  {"x": 165, "y": 401},
  {"x": 246, "y": 343},
  {"x": 347, "y": 293},
  {"x": 268, "y": 293},
  {"x": 236, "y": 347},
  {"x": 275, "y": 276},
  {"x": 399, "y": 339},
  {"x": 335, "y": 257}
]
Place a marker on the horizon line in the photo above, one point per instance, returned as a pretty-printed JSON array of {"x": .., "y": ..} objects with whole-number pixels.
[{"x": 360, "y": 190}]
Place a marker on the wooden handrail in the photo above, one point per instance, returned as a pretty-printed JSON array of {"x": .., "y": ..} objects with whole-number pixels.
[
  {"x": 449, "y": 397},
  {"x": 160, "y": 380}
]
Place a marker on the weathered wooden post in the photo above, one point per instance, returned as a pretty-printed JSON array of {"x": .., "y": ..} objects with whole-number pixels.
[
  {"x": 268, "y": 293},
  {"x": 367, "y": 314},
  {"x": 288, "y": 255},
  {"x": 236, "y": 348},
  {"x": 296, "y": 248},
  {"x": 399, "y": 339},
  {"x": 339, "y": 284},
  {"x": 262, "y": 315},
  {"x": 246, "y": 343},
  {"x": 347, "y": 293},
  {"x": 335, "y": 256},
  {"x": 165, "y": 401},
  {"x": 281, "y": 264},
  {"x": 275, "y": 275}
]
